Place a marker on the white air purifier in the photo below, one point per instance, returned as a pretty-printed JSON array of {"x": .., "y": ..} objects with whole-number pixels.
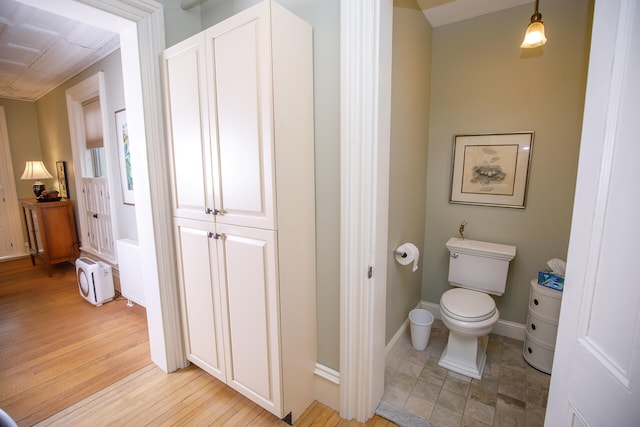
[{"x": 95, "y": 281}]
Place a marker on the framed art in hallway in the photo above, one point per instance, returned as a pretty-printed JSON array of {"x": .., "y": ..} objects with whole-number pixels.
[
  {"x": 61, "y": 171},
  {"x": 491, "y": 169},
  {"x": 124, "y": 155}
]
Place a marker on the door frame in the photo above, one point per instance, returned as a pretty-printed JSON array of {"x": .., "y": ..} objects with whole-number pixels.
[
  {"x": 88, "y": 89},
  {"x": 365, "y": 134}
]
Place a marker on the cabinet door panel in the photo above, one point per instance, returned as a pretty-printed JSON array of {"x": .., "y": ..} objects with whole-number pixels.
[
  {"x": 200, "y": 297},
  {"x": 253, "y": 342},
  {"x": 188, "y": 128},
  {"x": 242, "y": 117}
]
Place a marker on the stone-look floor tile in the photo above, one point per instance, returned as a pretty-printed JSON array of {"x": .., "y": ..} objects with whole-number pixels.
[
  {"x": 420, "y": 407},
  {"x": 512, "y": 374},
  {"x": 516, "y": 392},
  {"x": 484, "y": 391},
  {"x": 426, "y": 391},
  {"x": 515, "y": 389},
  {"x": 416, "y": 357},
  {"x": 535, "y": 415},
  {"x": 434, "y": 375},
  {"x": 471, "y": 422},
  {"x": 480, "y": 411},
  {"x": 410, "y": 369},
  {"x": 403, "y": 381},
  {"x": 445, "y": 417},
  {"x": 395, "y": 396},
  {"x": 455, "y": 402},
  {"x": 537, "y": 395},
  {"x": 457, "y": 383},
  {"x": 509, "y": 412}
]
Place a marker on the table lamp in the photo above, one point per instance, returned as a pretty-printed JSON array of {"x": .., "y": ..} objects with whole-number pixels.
[{"x": 36, "y": 170}]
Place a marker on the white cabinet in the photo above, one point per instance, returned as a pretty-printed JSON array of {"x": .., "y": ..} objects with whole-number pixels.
[
  {"x": 239, "y": 104},
  {"x": 542, "y": 326}
]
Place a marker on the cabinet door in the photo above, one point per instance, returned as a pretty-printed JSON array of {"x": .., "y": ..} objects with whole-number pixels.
[
  {"x": 249, "y": 284},
  {"x": 200, "y": 297},
  {"x": 241, "y": 117},
  {"x": 188, "y": 129}
]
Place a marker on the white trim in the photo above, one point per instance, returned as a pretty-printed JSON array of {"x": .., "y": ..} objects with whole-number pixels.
[
  {"x": 505, "y": 328},
  {"x": 365, "y": 75},
  {"x": 327, "y": 373}
]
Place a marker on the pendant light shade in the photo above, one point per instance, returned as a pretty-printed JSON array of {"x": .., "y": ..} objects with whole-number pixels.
[{"x": 534, "y": 35}]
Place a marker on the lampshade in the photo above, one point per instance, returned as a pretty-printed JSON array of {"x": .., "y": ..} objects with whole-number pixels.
[
  {"x": 534, "y": 34},
  {"x": 36, "y": 170}
]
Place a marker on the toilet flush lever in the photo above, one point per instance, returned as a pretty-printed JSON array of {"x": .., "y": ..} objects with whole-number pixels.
[
  {"x": 454, "y": 254},
  {"x": 461, "y": 229}
]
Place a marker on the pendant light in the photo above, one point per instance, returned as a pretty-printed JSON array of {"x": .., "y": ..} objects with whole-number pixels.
[{"x": 534, "y": 35}]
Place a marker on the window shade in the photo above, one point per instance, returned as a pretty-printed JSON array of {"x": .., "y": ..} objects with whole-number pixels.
[{"x": 93, "y": 124}]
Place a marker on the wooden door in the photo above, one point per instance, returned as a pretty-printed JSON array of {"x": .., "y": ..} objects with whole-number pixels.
[
  {"x": 596, "y": 370},
  {"x": 248, "y": 274},
  {"x": 188, "y": 129},
  {"x": 201, "y": 302},
  {"x": 241, "y": 117}
]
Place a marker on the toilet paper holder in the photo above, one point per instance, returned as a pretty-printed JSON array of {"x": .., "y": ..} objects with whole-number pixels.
[{"x": 403, "y": 254}]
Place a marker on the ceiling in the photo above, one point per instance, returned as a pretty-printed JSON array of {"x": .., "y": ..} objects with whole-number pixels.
[{"x": 40, "y": 50}]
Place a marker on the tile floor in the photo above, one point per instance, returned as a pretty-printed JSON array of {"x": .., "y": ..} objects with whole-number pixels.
[{"x": 511, "y": 393}]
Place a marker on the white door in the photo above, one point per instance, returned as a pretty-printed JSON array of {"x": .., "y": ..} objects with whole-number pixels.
[
  {"x": 247, "y": 269},
  {"x": 596, "y": 371},
  {"x": 11, "y": 241},
  {"x": 186, "y": 111},
  {"x": 98, "y": 217},
  {"x": 200, "y": 296},
  {"x": 241, "y": 117}
]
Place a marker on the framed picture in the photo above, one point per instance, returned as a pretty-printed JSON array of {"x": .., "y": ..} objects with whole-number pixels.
[
  {"x": 124, "y": 154},
  {"x": 491, "y": 169},
  {"x": 61, "y": 169}
]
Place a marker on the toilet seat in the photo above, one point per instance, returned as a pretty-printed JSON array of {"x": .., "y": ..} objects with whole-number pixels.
[{"x": 467, "y": 305}]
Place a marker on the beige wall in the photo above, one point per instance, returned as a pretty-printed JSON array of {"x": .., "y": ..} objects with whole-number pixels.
[
  {"x": 411, "y": 76},
  {"x": 482, "y": 82},
  {"x": 24, "y": 141}
]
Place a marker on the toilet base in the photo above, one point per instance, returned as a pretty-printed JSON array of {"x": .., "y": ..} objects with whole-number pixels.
[{"x": 465, "y": 355}]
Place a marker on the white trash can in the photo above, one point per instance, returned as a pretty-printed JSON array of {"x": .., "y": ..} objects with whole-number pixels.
[{"x": 420, "y": 322}]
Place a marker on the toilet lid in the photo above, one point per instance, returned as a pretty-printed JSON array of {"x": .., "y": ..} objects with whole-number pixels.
[{"x": 467, "y": 305}]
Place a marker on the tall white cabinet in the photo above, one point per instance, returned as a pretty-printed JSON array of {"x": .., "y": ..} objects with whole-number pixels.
[{"x": 239, "y": 103}]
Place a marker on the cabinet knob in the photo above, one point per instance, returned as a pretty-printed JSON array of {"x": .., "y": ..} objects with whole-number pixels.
[
  {"x": 95, "y": 215},
  {"x": 536, "y": 302},
  {"x": 211, "y": 211},
  {"x": 216, "y": 236},
  {"x": 533, "y": 326}
]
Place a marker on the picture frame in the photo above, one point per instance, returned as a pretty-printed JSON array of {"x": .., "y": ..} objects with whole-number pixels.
[
  {"x": 63, "y": 185},
  {"x": 491, "y": 169},
  {"x": 124, "y": 156}
]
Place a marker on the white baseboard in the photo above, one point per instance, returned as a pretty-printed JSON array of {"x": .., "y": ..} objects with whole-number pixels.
[{"x": 328, "y": 386}]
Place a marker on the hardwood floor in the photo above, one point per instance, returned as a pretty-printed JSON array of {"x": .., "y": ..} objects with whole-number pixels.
[{"x": 65, "y": 362}]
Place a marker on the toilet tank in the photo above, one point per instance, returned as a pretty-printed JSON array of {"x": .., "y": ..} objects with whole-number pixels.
[{"x": 480, "y": 266}]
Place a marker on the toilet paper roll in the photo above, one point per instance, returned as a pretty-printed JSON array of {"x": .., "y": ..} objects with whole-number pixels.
[{"x": 406, "y": 254}]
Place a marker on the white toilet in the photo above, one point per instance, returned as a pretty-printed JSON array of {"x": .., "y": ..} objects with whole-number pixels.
[{"x": 477, "y": 269}]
